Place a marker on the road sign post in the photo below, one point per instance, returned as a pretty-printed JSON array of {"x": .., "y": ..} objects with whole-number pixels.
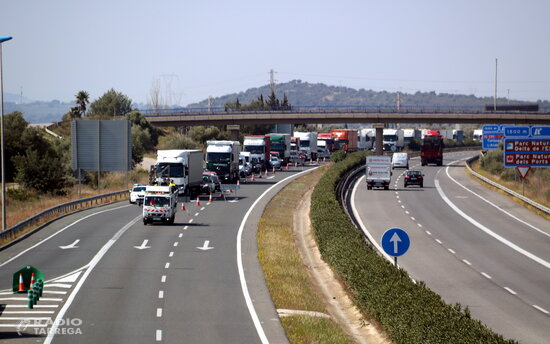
[{"x": 395, "y": 242}]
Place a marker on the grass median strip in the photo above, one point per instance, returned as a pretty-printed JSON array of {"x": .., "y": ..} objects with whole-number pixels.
[{"x": 286, "y": 276}]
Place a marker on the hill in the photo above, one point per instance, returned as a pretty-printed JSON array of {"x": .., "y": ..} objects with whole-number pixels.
[{"x": 306, "y": 94}]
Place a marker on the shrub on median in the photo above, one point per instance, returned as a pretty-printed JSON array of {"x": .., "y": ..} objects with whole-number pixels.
[{"x": 408, "y": 312}]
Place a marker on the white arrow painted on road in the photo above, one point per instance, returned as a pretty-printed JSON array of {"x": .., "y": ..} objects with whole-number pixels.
[
  {"x": 396, "y": 240},
  {"x": 73, "y": 245},
  {"x": 143, "y": 245},
  {"x": 205, "y": 246}
]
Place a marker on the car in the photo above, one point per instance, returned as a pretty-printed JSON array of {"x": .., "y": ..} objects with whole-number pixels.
[
  {"x": 275, "y": 163},
  {"x": 323, "y": 153},
  {"x": 215, "y": 179},
  {"x": 400, "y": 160},
  {"x": 137, "y": 192},
  {"x": 413, "y": 177},
  {"x": 207, "y": 185},
  {"x": 245, "y": 167},
  {"x": 298, "y": 158}
]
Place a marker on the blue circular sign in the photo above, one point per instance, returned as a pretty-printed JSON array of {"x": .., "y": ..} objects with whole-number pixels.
[{"x": 395, "y": 242}]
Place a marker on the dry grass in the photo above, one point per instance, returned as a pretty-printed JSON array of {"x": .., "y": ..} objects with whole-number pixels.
[{"x": 286, "y": 276}]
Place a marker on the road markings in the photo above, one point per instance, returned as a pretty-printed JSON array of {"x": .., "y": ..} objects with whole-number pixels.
[
  {"x": 176, "y": 244},
  {"x": 205, "y": 246},
  {"x": 407, "y": 212},
  {"x": 143, "y": 245},
  {"x": 510, "y": 291},
  {"x": 204, "y": 207},
  {"x": 159, "y": 335},
  {"x": 190, "y": 221},
  {"x": 412, "y": 218},
  {"x": 180, "y": 235},
  {"x": 185, "y": 228},
  {"x": 196, "y": 214},
  {"x": 159, "y": 312},
  {"x": 438, "y": 241},
  {"x": 467, "y": 262},
  {"x": 428, "y": 232},
  {"x": 419, "y": 225},
  {"x": 488, "y": 231},
  {"x": 486, "y": 275},
  {"x": 541, "y": 309},
  {"x": 171, "y": 254},
  {"x": 451, "y": 250},
  {"x": 163, "y": 279},
  {"x": 161, "y": 294},
  {"x": 73, "y": 245},
  {"x": 167, "y": 265}
]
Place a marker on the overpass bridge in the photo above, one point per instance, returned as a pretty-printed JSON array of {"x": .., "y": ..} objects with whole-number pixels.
[{"x": 325, "y": 115}]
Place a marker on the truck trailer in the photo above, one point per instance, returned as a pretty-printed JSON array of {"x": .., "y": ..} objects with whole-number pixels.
[
  {"x": 280, "y": 143},
  {"x": 259, "y": 147},
  {"x": 345, "y": 139},
  {"x": 183, "y": 167}
]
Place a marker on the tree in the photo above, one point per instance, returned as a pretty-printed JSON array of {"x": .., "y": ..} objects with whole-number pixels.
[
  {"x": 14, "y": 126},
  {"x": 82, "y": 100},
  {"x": 137, "y": 118},
  {"x": 110, "y": 104}
]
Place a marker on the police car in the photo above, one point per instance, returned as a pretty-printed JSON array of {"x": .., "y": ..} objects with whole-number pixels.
[{"x": 137, "y": 193}]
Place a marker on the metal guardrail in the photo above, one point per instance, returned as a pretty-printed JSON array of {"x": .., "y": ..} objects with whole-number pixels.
[
  {"x": 529, "y": 201},
  {"x": 55, "y": 212}
]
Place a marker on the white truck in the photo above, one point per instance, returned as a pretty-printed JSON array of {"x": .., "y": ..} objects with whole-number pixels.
[
  {"x": 160, "y": 204},
  {"x": 393, "y": 140},
  {"x": 182, "y": 166},
  {"x": 259, "y": 147},
  {"x": 378, "y": 171},
  {"x": 222, "y": 157},
  {"x": 411, "y": 134},
  {"x": 367, "y": 137},
  {"x": 308, "y": 143}
]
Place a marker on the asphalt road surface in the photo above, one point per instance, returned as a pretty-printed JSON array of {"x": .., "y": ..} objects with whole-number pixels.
[
  {"x": 470, "y": 244},
  {"x": 112, "y": 279}
]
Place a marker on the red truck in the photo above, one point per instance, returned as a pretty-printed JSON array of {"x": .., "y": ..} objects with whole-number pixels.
[
  {"x": 431, "y": 150},
  {"x": 345, "y": 139},
  {"x": 328, "y": 143}
]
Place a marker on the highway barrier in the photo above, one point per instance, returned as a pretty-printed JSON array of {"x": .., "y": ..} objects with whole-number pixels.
[
  {"x": 408, "y": 312},
  {"x": 13, "y": 234}
]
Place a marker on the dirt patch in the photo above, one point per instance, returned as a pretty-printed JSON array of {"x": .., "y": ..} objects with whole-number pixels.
[{"x": 338, "y": 303}]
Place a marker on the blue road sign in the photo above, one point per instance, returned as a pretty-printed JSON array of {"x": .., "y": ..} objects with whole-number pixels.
[
  {"x": 527, "y": 146},
  {"x": 515, "y": 131},
  {"x": 395, "y": 242},
  {"x": 491, "y": 136}
]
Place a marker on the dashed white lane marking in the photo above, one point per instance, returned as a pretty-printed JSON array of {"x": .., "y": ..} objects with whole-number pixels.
[
  {"x": 486, "y": 275},
  {"x": 196, "y": 214},
  {"x": 190, "y": 221},
  {"x": 407, "y": 212},
  {"x": 176, "y": 244},
  {"x": 181, "y": 234},
  {"x": 419, "y": 225},
  {"x": 185, "y": 228},
  {"x": 161, "y": 294},
  {"x": 451, "y": 250},
  {"x": 467, "y": 262},
  {"x": 163, "y": 279},
  {"x": 203, "y": 207},
  {"x": 397, "y": 197},
  {"x": 159, "y": 335},
  {"x": 438, "y": 241},
  {"x": 541, "y": 309},
  {"x": 402, "y": 206},
  {"x": 159, "y": 312},
  {"x": 398, "y": 201},
  {"x": 171, "y": 254},
  {"x": 412, "y": 218},
  {"x": 510, "y": 291},
  {"x": 167, "y": 265}
]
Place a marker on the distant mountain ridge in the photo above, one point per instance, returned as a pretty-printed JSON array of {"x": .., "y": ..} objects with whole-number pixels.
[{"x": 299, "y": 94}]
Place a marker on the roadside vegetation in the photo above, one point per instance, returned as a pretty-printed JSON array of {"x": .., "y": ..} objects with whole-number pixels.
[
  {"x": 286, "y": 276},
  {"x": 536, "y": 185},
  {"x": 408, "y": 312}
]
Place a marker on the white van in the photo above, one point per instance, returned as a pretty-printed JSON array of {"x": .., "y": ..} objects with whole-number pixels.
[{"x": 400, "y": 160}]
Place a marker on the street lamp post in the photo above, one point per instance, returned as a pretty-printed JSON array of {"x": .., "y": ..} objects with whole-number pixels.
[{"x": 2, "y": 40}]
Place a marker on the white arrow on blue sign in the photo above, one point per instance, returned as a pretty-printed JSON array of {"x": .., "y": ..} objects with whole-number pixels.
[{"x": 395, "y": 242}]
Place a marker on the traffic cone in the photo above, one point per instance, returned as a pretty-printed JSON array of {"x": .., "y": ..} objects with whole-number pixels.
[
  {"x": 252, "y": 179},
  {"x": 198, "y": 202},
  {"x": 21, "y": 284},
  {"x": 273, "y": 170},
  {"x": 296, "y": 164},
  {"x": 238, "y": 183},
  {"x": 286, "y": 168},
  {"x": 32, "y": 280},
  {"x": 210, "y": 198},
  {"x": 182, "y": 206},
  {"x": 266, "y": 173}
]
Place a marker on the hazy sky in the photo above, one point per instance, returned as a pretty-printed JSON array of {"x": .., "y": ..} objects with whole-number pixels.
[{"x": 193, "y": 49}]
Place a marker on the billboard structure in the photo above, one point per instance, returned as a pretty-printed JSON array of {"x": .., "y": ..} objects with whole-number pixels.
[{"x": 101, "y": 145}]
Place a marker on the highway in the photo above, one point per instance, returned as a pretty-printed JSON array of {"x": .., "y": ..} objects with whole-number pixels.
[
  {"x": 197, "y": 281},
  {"x": 470, "y": 244}
]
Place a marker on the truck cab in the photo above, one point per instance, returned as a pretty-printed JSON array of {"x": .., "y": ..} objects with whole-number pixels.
[{"x": 159, "y": 204}]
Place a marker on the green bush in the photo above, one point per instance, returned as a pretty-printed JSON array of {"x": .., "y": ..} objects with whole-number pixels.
[
  {"x": 22, "y": 195},
  {"x": 337, "y": 156},
  {"x": 408, "y": 312}
]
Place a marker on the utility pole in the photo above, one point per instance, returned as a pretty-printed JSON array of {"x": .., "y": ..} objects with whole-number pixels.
[
  {"x": 398, "y": 101},
  {"x": 496, "y": 73},
  {"x": 209, "y": 103},
  {"x": 21, "y": 96},
  {"x": 272, "y": 80}
]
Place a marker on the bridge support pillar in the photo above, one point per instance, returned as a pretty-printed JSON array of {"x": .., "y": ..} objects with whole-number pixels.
[
  {"x": 379, "y": 138},
  {"x": 234, "y": 130}
]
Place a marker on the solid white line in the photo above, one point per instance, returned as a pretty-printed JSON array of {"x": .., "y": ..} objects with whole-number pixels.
[
  {"x": 59, "y": 231},
  {"x": 159, "y": 335},
  {"x": 467, "y": 262},
  {"x": 58, "y": 285},
  {"x": 161, "y": 294},
  {"x": 541, "y": 309},
  {"x": 488, "y": 231},
  {"x": 494, "y": 205},
  {"x": 163, "y": 279},
  {"x": 13, "y": 325},
  {"x": 510, "y": 291},
  {"x": 486, "y": 275},
  {"x": 159, "y": 312},
  {"x": 33, "y": 311},
  {"x": 35, "y": 306},
  {"x": 30, "y": 318},
  {"x": 167, "y": 265},
  {"x": 25, "y": 299},
  {"x": 176, "y": 244},
  {"x": 244, "y": 287},
  {"x": 171, "y": 254},
  {"x": 95, "y": 260}
]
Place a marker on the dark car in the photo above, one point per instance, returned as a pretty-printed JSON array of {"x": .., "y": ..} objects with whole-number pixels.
[{"x": 413, "y": 177}]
